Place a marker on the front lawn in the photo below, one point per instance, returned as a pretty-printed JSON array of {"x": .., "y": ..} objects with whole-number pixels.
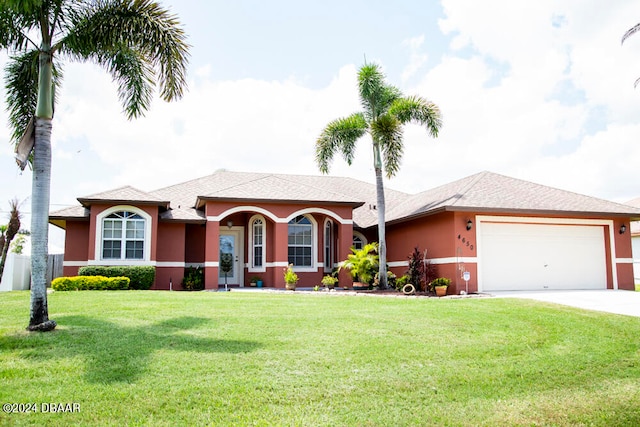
[{"x": 178, "y": 358}]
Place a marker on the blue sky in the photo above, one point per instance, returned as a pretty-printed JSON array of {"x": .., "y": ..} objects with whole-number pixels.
[{"x": 541, "y": 91}]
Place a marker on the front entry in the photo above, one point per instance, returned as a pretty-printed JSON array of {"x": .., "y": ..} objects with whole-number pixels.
[{"x": 231, "y": 257}]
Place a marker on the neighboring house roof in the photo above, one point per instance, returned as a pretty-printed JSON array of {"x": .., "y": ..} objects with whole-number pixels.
[
  {"x": 491, "y": 192},
  {"x": 482, "y": 192}
]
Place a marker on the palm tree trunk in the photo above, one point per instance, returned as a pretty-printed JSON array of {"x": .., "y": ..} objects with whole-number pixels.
[
  {"x": 382, "y": 244},
  {"x": 40, "y": 194}
]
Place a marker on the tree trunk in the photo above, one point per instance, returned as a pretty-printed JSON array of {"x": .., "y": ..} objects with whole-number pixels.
[
  {"x": 40, "y": 194},
  {"x": 380, "y": 206},
  {"x": 4, "y": 250}
]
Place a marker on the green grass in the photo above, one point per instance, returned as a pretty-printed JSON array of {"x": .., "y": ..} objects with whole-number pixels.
[{"x": 161, "y": 358}]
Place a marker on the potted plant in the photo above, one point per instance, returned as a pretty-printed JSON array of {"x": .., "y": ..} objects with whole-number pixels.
[
  {"x": 329, "y": 281},
  {"x": 254, "y": 281},
  {"x": 440, "y": 285},
  {"x": 290, "y": 278},
  {"x": 363, "y": 265}
]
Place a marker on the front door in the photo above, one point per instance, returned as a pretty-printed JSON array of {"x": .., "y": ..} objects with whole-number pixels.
[{"x": 231, "y": 257}]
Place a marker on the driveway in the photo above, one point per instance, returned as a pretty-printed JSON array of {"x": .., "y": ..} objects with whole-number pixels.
[{"x": 610, "y": 301}]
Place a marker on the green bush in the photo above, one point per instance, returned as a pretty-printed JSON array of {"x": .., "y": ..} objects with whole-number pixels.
[
  {"x": 90, "y": 283},
  {"x": 141, "y": 277},
  {"x": 193, "y": 279}
]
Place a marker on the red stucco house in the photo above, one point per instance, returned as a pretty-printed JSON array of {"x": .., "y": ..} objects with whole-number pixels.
[{"x": 508, "y": 234}]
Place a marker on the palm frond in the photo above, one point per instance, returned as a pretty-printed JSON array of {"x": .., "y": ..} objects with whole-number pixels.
[
  {"x": 415, "y": 109},
  {"x": 21, "y": 85},
  {"x": 339, "y": 135},
  {"x": 386, "y": 130},
  {"x": 138, "y": 41},
  {"x": 17, "y": 18},
  {"x": 631, "y": 31}
]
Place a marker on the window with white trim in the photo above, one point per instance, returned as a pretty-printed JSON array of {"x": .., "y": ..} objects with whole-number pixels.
[
  {"x": 300, "y": 241},
  {"x": 123, "y": 236},
  {"x": 328, "y": 245},
  {"x": 358, "y": 241},
  {"x": 257, "y": 243}
]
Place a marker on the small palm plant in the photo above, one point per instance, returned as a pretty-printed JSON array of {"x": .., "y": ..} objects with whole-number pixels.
[{"x": 363, "y": 264}]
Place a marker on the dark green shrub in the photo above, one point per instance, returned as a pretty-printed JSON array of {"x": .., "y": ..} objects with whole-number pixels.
[
  {"x": 90, "y": 283},
  {"x": 141, "y": 276},
  {"x": 193, "y": 279}
]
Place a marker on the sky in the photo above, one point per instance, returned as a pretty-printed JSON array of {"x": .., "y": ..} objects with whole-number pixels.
[{"x": 541, "y": 91}]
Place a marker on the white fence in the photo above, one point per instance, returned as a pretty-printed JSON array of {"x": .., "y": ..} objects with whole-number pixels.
[{"x": 17, "y": 271}]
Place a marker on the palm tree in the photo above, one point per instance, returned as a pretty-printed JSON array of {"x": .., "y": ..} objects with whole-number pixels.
[
  {"x": 386, "y": 110},
  {"x": 9, "y": 232},
  {"x": 138, "y": 42},
  {"x": 631, "y": 31}
]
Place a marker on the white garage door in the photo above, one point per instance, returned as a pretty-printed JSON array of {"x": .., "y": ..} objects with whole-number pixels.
[{"x": 541, "y": 256}]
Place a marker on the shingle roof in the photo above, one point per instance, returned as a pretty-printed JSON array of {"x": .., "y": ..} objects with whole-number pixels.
[
  {"x": 491, "y": 192},
  {"x": 123, "y": 194},
  {"x": 482, "y": 192}
]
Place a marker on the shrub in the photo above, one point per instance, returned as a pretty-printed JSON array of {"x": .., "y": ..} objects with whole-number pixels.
[
  {"x": 90, "y": 283},
  {"x": 193, "y": 279},
  {"x": 401, "y": 281},
  {"x": 140, "y": 276}
]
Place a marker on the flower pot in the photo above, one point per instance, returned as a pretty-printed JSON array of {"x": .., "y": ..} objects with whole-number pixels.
[
  {"x": 259, "y": 283},
  {"x": 290, "y": 286},
  {"x": 359, "y": 286},
  {"x": 441, "y": 291}
]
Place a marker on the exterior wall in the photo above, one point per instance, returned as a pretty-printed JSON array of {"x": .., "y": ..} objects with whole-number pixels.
[
  {"x": 76, "y": 246},
  {"x": 453, "y": 249},
  {"x": 277, "y": 216},
  {"x": 170, "y": 255}
]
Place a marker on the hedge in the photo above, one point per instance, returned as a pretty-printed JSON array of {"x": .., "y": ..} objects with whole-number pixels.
[
  {"x": 142, "y": 277},
  {"x": 90, "y": 283}
]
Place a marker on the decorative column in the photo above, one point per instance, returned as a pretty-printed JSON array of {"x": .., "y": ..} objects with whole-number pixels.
[
  {"x": 281, "y": 252},
  {"x": 345, "y": 241},
  {"x": 211, "y": 254}
]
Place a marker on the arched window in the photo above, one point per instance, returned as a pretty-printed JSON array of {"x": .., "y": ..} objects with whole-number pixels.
[
  {"x": 359, "y": 241},
  {"x": 300, "y": 242},
  {"x": 328, "y": 246},
  {"x": 123, "y": 236},
  {"x": 257, "y": 243}
]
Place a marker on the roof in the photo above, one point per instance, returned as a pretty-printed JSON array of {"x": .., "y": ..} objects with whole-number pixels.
[
  {"x": 491, "y": 192},
  {"x": 482, "y": 192},
  {"x": 126, "y": 194}
]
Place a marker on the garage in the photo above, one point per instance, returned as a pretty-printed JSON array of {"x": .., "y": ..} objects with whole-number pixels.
[{"x": 522, "y": 256}]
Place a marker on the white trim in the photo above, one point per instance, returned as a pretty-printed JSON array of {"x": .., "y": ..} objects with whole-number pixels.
[
  {"x": 437, "y": 261},
  {"x": 624, "y": 261},
  {"x": 361, "y": 236},
  {"x": 212, "y": 264},
  {"x": 146, "y": 256},
  {"x": 545, "y": 220},
  {"x": 326, "y": 265},
  {"x": 278, "y": 264},
  {"x": 170, "y": 264},
  {"x": 120, "y": 262},
  {"x": 314, "y": 246},
  {"x": 398, "y": 264},
  {"x": 74, "y": 263},
  {"x": 277, "y": 219},
  {"x": 249, "y": 263}
]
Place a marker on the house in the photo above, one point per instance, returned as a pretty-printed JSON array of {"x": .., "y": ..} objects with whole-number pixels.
[
  {"x": 505, "y": 233},
  {"x": 635, "y": 241}
]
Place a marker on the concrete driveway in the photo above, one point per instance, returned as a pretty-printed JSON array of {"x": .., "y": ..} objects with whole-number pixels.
[{"x": 610, "y": 301}]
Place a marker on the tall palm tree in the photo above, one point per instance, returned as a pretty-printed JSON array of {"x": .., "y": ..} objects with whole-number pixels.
[
  {"x": 10, "y": 231},
  {"x": 138, "y": 42},
  {"x": 631, "y": 31},
  {"x": 386, "y": 110}
]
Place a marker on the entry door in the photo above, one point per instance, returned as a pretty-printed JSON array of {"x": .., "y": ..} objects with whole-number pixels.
[{"x": 231, "y": 249}]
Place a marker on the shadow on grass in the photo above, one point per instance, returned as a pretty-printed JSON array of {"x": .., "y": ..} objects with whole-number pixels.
[{"x": 115, "y": 353}]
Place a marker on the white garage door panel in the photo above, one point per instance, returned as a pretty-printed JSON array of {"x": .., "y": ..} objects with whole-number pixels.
[{"x": 541, "y": 256}]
